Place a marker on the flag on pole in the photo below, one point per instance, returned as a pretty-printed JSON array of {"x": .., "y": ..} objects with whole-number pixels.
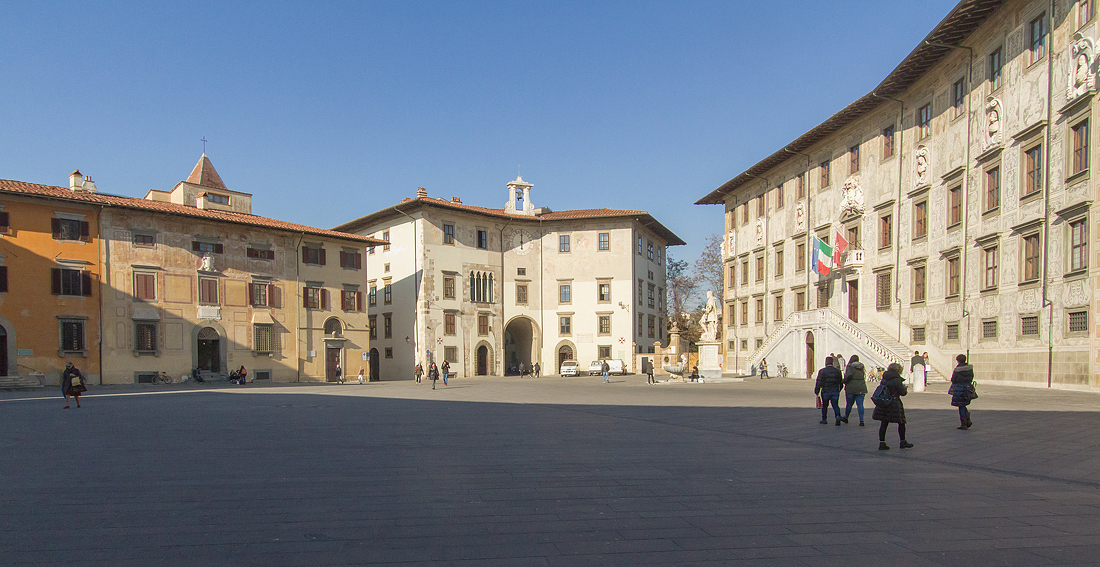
[
  {"x": 838, "y": 249},
  {"x": 822, "y": 257}
]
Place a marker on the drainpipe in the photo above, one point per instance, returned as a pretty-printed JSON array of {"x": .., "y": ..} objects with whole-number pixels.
[
  {"x": 542, "y": 306},
  {"x": 897, "y": 205},
  {"x": 1046, "y": 206},
  {"x": 966, "y": 181},
  {"x": 416, "y": 289},
  {"x": 503, "y": 319},
  {"x": 767, "y": 184},
  {"x": 298, "y": 307},
  {"x": 105, "y": 266}
]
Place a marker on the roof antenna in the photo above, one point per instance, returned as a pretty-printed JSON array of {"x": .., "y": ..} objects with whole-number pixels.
[
  {"x": 204, "y": 145},
  {"x": 518, "y": 171}
]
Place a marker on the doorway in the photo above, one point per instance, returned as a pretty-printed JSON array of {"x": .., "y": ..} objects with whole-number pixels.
[
  {"x": 374, "y": 366},
  {"x": 208, "y": 349},
  {"x": 809, "y": 354},
  {"x": 853, "y": 300},
  {"x": 564, "y": 353},
  {"x": 333, "y": 372},
  {"x": 3, "y": 351},
  {"x": 482, "y": 360}
]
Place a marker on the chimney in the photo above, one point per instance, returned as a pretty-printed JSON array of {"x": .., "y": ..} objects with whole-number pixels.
[
  {"x": 421, "y": 193},
  {"x": 89, "y": 185},
  {"x": 456, "y": 200},
  {"x": 75, "y": 180}
]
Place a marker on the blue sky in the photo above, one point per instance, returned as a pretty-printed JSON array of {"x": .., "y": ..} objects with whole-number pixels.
[{"x": 329, "y": 111}]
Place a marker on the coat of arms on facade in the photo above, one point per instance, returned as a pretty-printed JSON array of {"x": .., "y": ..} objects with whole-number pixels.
[
  {"x": 760, "y": 231},
  {"x": 993, "y": 130},
  {"x": 731, "y": 243},
  {"x": 207, "y": 263},
  {"x": 924, "y": 165},
  {"x": 1082, "y": 76},
  {"x": 851, "y": 198},
  {"x": 800, "y": 216}
]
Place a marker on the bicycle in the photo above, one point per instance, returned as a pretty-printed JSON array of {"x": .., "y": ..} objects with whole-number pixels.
[
  {"x": 781, "y": 369},
  {"x": 162, "y": 378}
]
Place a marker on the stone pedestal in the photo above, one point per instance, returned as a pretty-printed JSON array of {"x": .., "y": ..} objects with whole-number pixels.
[{"x": 710, "y": 364}]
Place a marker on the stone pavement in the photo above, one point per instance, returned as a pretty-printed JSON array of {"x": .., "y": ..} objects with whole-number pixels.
[{"x": 550, "y": 471}]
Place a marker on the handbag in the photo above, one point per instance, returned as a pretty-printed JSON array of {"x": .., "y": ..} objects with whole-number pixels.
[
  {"x": 971, "y": 392},
  {"x": 818, "y": 402},
  {"x": 882, "y": 397}
]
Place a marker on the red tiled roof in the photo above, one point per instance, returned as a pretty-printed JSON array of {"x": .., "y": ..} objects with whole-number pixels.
[
  {"x": 8, "y": 186},
  {"x": 577, "y": 214},
  {"x": 204, "y": 174}
]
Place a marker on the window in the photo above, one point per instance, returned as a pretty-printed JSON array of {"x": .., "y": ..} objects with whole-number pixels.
[
  {"x": 483, "y": 324},
  {"x": 652, "y": 296},
  {"x": 482, "y": 239},
  {"x": 68, "y": 229},
  {"x": 744, "y": 312},
  {"x": 954, "y": 205},
  {"x": 1085, "y": 11},
  {"x": 888, "y": 141},
  {"x": 992, "y": 188},
  {"x": 70, "y": 282},
  {"x": 639, "y": 245},
  {"x": 882, "y": 290},
  {"x": 759, "y": 343},
  {"x": 1029, "y": 325},
  {"x": 351, "y": 300},
  {"x": 372, "y": 295},
  {"x": 800, "y": 186},
  {"x": 641, "y": 288},
  {"x": 521, "y": 271},
  {"x": 208, "y": 247},
  {"x": 920, "y": 219},
  {"x": 565, "y": 293},
  {"x": 145, "y": 286},
  {"x": 1031, "y": 257},
  {"x": 3, "y": 279},
  {"x": 521, "y": 294},
  {"x": 952, "y": 333},
  {"x": 373, "y": 326},
  {"x": 147, "y": 240},
  {"x": 565, "y": 324},
  {"x": 563, "y": 243},
  {"x": 800, "y": 301},
  {"x": 1078, "y": 245},
  {"x": 996, "y": 69},
  {"x": 661, "y": 298},
  {"x": 989, "y": 329},
  {"x": 208, "y": 291},
  {"x": 779, "y": 262},
  {"x": 924, "y": 121},
  {"x": 800, "y": 257},
  {"x": 853, "y": 159},
  {"x": 603, "y": 292},
  {"x": 989, "y": 274},
  {"x": 71, "y": 340},
  {"x": 779, "y": 196},
  {"x": 448, "y": 287},
  {"x": 386, "y": 237},
  {"x": 658, "y": 254},
  {"x": 145, "y": 337},
  {"x": 604, "y": 324},
  {"x": 779, "y": 308},
  {"x": 389, "y": 352},
  {"x": 759, "y": 268},
  {"x": 885, "y": 231},
  {"x": 918, "y": 335},
  {"x": 387, "y": 326},
  {"x": 953, "y": 276},
  {"x": 5, "y": 222},
  {"x": 652, "y": 326},
  {"x": 1033, "y": 170},
  {"x": 1038, "y": 37},
  {"x": 731, "y": 320},
  {"x": 745, "y": 271},
  {"x": 744, "y": 218},
  {"x": 262, "y": 253},
  {"x": 605, "y": 352},
  {"x": 314, "y": 298},
  {"x": 759, "y": 310},
  {"x": 823, "y": 295},
  {"x": 605, "y": 241},
  {"x": 918, "y": 283},
  {"x": 450, "y": 354},
  {"x": 387, "y": 293},
  {"x": 262, "y": 339},
  {"x": 259, "y": 295},
  {"x": 1078, "y": 321},
  {"x": 313, "y": 255},
  {"x": 760, "y": 206},
  {"x": 824, "y": 167},
  {"x": 640, "y": 323},
  {"x": 733, "y": 275},
  {"x": 352, "y": 260},
  {"x": 1080, "y": 140},
  {"x": 649, "y": 249},
  {"x": 958, "y": 98},
  {"x": 449, "y": 324},
  {"x": 219, "y": 199},
  {"x": 448, "y": 234}
]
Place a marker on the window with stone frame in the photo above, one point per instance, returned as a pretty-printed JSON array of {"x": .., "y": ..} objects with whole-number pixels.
[
  {"x": 953, "y": 276},
  {"x": 387, "y": 293},
  {"x": 145, "y": 337},
  {"x": 1077, "y": 321},
  {"x": 996, "y": 64},
  {"x": 652, "y": 296},
  {"x": 733, "y": 276},
  {"x": 450, "y": 326},
  {"x": 1031, "y": 252},
  {"x": 69, "y": 281},
  {"x": 482, "y": 239},
  {"x": 778, "y": 310},
  {"x": 604, "y": 324},
  {"x": 888, "y": 142},
  {"x": 565, "y": 325},
  {"x": 372, "y": 295},
  {"x": 373, "y": 326},
  {"x": 779, "y": 262},
  {"x": 992, "y": 189},
  {"x": 483, "y": 325},
  {"x": 450, "y": 354},
  {"x": 1029, "y": 325},
  {"x": 565, "y": 293},
  {"x": 760, "y": 310},
  {"x": 387, "y": 326},
  {"x": 1037, "y": 35},
  {"x": 760, "y": 268},
  {"x": 954, "y": 205},
  {"x": 885, "y": 231},
  {"x": 145, "y": 286},
  {"x": 745, "y": 271},
  {"x": 351, "y": 300},
  {"x": 263, "y": 338},
  {"x": 853, "y": 159},
  {"x": 651, "y": 326},
  {"x": 882, "y": 290},
  {"x": 604, "y": 352},
  {"x": 605, "y": 241},
  {"x": 1078, "y": 245},
  {"x": 800, "y": 301},
  {"x": 1086, "y": 9},
  {"x": 1033, "y": 170},
  {"x": 70, "y": 230},
  {"x": 760, "y": 206},
  {"x": 951, "y": 332},
  {"x": 919, "y": 274},
  {"x": 924, "y": 121},
  {"x": 958, "y": 98},
  {"x": 563, "y": 243},
  {"x": 449, "y": 287},
  {"x": 603, "y": 292},
  {"x": 990, "y": 267},
  {"x": 800, "y": 257},
  {"x": 917, "y": 335},
  {"x": 448, "y": 234},
  {"x": 823, "y": 168},
  {"x": 521, "y": 294},
  {"x": 208, "y": 291},
  {"x": 732, "y": 319},
  {"x": 744, "y": 312},
  {"x": 920, "y": 219},
  {"x": 779, "y": 196},
  {"x": 310, "y": 254},
  {"x": 800, "y": 186},
  {"x": 1079, "y": 138},
  {"x": 989, "y": 329},
  {"x": 744, "y": 220},
  {"x": 72, "y": 338}
]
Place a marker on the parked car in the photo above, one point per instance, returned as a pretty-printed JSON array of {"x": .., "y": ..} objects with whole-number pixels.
[
  {"x": 569, "y": 368},
  {"x": 595, "y": 367},
  {"x": 618, "y": 366}
]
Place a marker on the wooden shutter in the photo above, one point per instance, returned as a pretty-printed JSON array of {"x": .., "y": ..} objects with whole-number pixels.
[
  {"x": 251, "y": 293},
  {"x": 194, "y": 245},
  {"x": 3, "y": 278},
  {"x": 343, "y": 298},
  {"x": 273, "y": 297},
  {"x": 305, "y": 254},
  {"x": 55, "y": 278},
  {"x": 305, "y": 297},
  {"x": 55, "y": 226},
  {"x": 324, "y": 298},
  {"x": 85, "y": 283},
  {"x": 358, "y": 260},
  {"x": 5, "y": 223},
  {"x": 85, "y": 232},
  {"x": 343, "y": 259},
  {"x": 322, "y": 256},
  {"x": 358, "y": 296},
  {"x": 218, "y": 248},
  {"x": 270, "y": 254}
]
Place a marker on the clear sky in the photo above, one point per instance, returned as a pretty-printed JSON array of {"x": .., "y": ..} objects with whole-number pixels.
[{"x": 329, "y": 111}]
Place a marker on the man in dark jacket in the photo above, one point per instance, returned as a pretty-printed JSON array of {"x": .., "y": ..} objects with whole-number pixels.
[
  {"x": 829, "y": 381},
  {"x": 962, "y": 384}
]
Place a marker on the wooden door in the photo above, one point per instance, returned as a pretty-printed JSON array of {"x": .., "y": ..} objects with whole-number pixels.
[
  {"x": 374, "y": 366},
  {"x": 332, "y": 364},
  {"x": 853, "y": 300},
  {"x": 482, "y": 361},
  {"x": 810, "y": 367}
]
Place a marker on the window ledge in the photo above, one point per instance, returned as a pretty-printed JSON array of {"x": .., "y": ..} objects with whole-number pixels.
[
  {"x": 991, "y": 212},
  {"x": 1075, "y": 177},
  {"x": 1031, "y": 196},
  {"x": 1033, "y": 282},
  {"x": 954, "y": 226},
  {"x": 1077, "y": 274}
]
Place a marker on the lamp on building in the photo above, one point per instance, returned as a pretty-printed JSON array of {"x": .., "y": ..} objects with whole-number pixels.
[
  {"x": 622, "y": 305},
  {"x": 406, "y": 339}
]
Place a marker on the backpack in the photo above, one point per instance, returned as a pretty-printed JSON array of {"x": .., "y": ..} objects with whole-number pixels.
[{"x": 882, "y": 396}]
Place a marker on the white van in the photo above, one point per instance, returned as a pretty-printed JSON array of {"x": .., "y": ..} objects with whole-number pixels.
[
  {"x": 617, "y": 366},
  {"x": 569, "y": 368}
]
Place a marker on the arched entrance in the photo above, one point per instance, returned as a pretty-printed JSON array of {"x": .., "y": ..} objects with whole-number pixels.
[
  {"x": 520, "y": 340},
  {"x": 208, "y": 349},
  {"x": 482, "y": 360},
  {"x": 375, "y": 376},
  {"x": 810, "y": 354},
  {"x": 565, "y": 352}
]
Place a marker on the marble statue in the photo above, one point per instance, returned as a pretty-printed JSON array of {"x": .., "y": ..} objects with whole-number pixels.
[{"x": 709, "y": 321}]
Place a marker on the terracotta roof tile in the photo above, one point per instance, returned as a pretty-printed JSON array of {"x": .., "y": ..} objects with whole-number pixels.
[
  {"x": 61, "y": 193},
  {"x": 204, "y": 174}
]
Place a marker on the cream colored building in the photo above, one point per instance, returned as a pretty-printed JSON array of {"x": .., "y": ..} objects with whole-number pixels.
[
  {"x": 488, "y": 289},
  {"x": 963, "y": 183}
]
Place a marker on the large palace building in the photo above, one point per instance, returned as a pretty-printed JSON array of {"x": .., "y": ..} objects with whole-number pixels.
[
  {"x": 963, "y": 187},
  {"x": 489, "y": 289}
]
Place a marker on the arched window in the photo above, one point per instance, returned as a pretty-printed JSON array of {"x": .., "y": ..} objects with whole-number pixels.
[
  {"x": 333, "y": 327},
  {"x": 490, "y": 288},
  {"x": 473, "y": 287},
  {"x": 481, "y": 287}
]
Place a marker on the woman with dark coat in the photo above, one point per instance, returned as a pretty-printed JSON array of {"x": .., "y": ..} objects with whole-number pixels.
[
  {"x": 829, "y": 382},
  {"x": 72, "y": 384},
  {"x": 855, "y": 387},
  {"x": 433, "y": 374},
  {"x": 962, "y": 380},
  {"x": 895, "y": 412}
]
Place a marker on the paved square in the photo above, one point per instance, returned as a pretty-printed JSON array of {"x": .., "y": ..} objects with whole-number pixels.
[{"x": 550, "y": 471}]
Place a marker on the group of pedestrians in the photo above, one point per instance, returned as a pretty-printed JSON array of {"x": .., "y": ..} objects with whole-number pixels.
[
  {"x": 831, "y": 381},
  {"x": 433, "y": 372}
]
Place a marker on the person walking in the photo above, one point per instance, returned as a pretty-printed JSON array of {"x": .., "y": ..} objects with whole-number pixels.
[
  {"x": 855, "y": 387},
  {"x": 763, "y": 368},
  {"x": 433, "y": 374},
  {"x": 361, "y": 375},
  {"x": 446, "y": 369},
  {"x": 649, "y": 372},
  {"x": 522, "y": 370},
  {"x": 536, "y": 368},
  {"x": 606, "y": 368},
  {"x": 962, "y": 383},
  {"x": 72, "y": 384},
  {"x": 916, "y": 369},
  {"x": 838, "y": 361},
  {"x": 895, "y": 412},
  {"x": 339, "y": 374},
  {"x": 418, "y": 371},
  {"x": 829, "y": 381}
]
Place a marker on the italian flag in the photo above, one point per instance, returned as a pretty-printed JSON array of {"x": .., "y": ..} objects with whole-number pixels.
[{"x": 825, "y": 257}]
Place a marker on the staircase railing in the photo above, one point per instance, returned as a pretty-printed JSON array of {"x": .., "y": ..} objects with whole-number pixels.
[
  {"x": 779, "y": 333},
  {"x": 830, "y": 316},
  {"x": 868, "y": 341}
]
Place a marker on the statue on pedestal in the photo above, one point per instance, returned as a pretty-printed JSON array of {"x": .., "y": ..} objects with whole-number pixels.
[{"x": 709, "y": 320}]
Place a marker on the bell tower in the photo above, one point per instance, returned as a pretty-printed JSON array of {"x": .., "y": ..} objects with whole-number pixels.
[{"x": 519, "y": 198}]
